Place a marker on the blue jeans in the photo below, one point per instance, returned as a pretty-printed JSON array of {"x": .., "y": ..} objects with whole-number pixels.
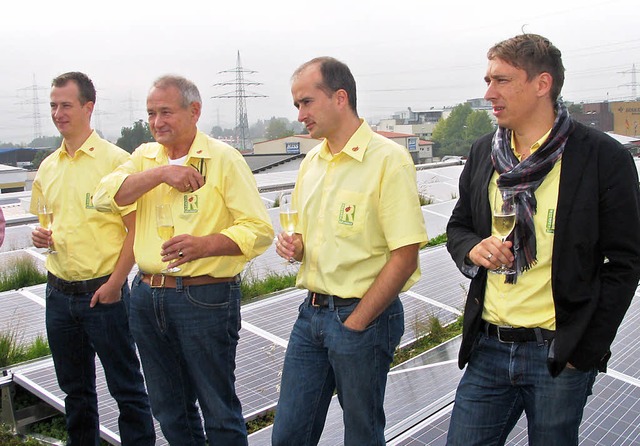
[
  {"x": 322, "y": 356},
  {"x": 503, "y": 379},
  {"x": 76, "y": 333},
  {"x": 187, "y": 338}
]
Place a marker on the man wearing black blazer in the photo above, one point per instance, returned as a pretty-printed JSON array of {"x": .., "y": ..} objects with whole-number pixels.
[{"x": 534, "y": 341}]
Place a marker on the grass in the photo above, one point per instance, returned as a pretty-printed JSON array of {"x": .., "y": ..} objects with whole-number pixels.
[
  {"x": 272, "y": 282},
  {"x": 437, "y": 335},
  {"x": 12, "y": 351},
  {"x": 8, "y": 438},
  {"x": 261, "y": 422},
  {"x": 437, "y": 240},
  {"x": 20, "y": 273},
  {"x": 425, "y": 199}
]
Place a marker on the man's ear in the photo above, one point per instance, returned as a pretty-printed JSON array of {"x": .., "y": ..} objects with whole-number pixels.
[
  {"x": 544, "y": 83},
  {"x": 342, "y": 97},
  {"x": 196, "y": 109}
]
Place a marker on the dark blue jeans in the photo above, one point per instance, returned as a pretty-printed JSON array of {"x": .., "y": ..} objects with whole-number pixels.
[
  {"x": 323, "y": 355},
  {"x": 503, "y": 379},
  {"x": 187, "y": 338},
  {"x": 76, "y": 333}
]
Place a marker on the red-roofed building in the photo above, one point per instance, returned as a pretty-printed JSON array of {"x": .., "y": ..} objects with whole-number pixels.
[{"x": 420, "y": 150}]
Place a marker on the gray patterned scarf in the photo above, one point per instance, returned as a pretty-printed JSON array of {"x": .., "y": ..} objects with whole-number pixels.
[{"x": 523, "y": 178}]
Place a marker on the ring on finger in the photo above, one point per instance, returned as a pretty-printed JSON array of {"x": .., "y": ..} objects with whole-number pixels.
[
  {"x": 180, "y": 253},
  {"x": 489, "y": 256}
]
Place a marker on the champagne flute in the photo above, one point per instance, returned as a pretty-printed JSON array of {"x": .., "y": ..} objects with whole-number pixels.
[
  {"x": 288, "y": 216},
  {"x": 45, "y": 217},
  {"x": 504, "y": 220},
  {"x": 164, "y": 222}
]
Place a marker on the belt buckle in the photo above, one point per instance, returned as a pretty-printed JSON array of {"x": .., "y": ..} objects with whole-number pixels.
[
  {"x": 153, "y": 276},
  {"x": 313, "y": 300},
  {"x": 498, "y": 327}
]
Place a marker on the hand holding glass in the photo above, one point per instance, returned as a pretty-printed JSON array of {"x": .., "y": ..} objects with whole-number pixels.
[
  {"x": 164, "y": 222},
  {"x": 504, "y": 220},
  {"x": 45, "y": 217},
  {"x": 288, "y": 216}
]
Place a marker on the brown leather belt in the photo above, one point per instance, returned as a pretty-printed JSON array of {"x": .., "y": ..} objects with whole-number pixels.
[{"x": 163, "y": 281}]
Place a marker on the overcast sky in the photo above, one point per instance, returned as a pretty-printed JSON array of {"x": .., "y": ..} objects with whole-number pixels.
[{"x": 406, "y": 53}]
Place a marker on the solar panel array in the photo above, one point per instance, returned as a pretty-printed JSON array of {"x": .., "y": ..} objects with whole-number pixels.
[
  {"x": 419, "y": 393},
  {"x": 612, "y": 413}
]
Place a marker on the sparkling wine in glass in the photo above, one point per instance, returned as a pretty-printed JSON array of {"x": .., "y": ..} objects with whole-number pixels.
[
  {"x": 164, "y": 223},
  {"x": 288, "y": 216},
  {"x": 45, "y": 218},
  {"x": 504, "y": 220}
]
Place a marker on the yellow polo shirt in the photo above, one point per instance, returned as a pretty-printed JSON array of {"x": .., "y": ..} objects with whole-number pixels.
[
  {"x": 354, "y": 209},
  {"x": 529, "y": 302},
  {"x": 87, "y": 242},
  {"x": 228, "y": 204}
]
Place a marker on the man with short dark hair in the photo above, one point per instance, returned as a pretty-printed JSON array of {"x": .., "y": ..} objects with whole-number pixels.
[
  {"x": 186, "y": 322},
  {"x": 358, "y": 238},
  {"x": 87, "y": 290},
  {"x": 534, "y": 340}
]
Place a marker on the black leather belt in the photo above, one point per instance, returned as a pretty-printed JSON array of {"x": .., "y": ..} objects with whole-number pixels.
[
  {"x": 79, "y": 287},
  {"x": 520, "y": 334},
  {"x": 322, "y": 300}
]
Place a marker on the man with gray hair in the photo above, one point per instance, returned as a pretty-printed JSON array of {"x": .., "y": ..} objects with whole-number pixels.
[{"x": 185, "y": 315}]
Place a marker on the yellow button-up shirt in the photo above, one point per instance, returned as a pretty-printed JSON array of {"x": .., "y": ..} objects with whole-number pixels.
[
  {"x": 529, "y": 302},
  {"x": 228, "y": 204},
  {"x": 354, "y": 209},
  {"x": 87, "y": 242}
]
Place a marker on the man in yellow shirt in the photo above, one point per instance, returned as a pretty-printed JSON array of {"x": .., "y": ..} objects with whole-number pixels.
[
  {"x": 87, "y": 290},
  {"x": 358, "y": 238},
  {"x": 534, "y": 340},
  {"x": 186, "y": 322}
]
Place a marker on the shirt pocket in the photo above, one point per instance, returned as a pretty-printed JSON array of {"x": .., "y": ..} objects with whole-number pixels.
[{"x": 349, "y": 213}]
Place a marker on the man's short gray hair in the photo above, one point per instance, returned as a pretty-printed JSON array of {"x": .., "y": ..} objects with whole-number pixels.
[{"x": 187, "y": 89}]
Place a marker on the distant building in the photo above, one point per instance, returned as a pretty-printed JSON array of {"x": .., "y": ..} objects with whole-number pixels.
[
  {"x": 287, "y": 148},
  {"x": 596, "y": 115},
  {"x": 418, "y": 123},
  {"x": 291, "y": 145},
  {"x": 19, "y": 156},
  {"x": 626, "y": 118},
  {"x": 12, "y": 179}
]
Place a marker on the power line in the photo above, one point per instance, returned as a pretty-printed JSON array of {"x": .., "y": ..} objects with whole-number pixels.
[
  {"x": 241, "y": 131},
  {"x": 35, "y": 103},
  {"x": 634, "y": 83}
]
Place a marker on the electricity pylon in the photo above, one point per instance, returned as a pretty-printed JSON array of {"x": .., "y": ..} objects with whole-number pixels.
[{"x": 241, "y": 130}]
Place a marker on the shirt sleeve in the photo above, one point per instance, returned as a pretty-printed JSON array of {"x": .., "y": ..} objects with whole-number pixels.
[
  {"x": 251, "y": 230},
  {"x": 400, "y": 212},
  {"x": 36, "y": 194},
  {"x": 103, "y": 198}
]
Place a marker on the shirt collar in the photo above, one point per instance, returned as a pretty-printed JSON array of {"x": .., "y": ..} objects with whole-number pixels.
[
  {"x": 536, "y": 145},
  {"x": 199, "y": 149},
  {"x": 355, "y": 147},
  {"x": 89, "y": 146}
]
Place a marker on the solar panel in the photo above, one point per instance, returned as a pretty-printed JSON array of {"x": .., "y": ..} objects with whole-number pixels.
[{"x": 419, "y": 393}]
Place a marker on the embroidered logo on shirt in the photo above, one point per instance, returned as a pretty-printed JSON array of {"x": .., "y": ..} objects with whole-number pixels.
[
  {"x": 347, "y": 214},
  {"x": 88, "y": 201},
  {"x": 551, "y": 221},
  {"x": 190, "y": 203}
]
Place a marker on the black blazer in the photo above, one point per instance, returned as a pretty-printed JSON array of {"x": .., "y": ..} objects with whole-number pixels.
[{"x": 596, "y": 250}]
